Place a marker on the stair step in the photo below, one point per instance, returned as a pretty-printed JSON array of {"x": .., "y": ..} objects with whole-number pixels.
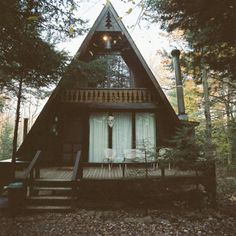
[
  {"x": 50, "y": 198},
  {"x": 53, "y": 180},
  {"x": 50, "y": 191},
  {"x": 49, "y": 208},
  {"x": 50, "y": 195},
  {"x": 52, "y": 188},
  {"x": 52, "y": 183}
]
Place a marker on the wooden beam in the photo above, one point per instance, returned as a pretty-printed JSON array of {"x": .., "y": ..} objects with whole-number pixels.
[
  {"x": 76, "y": 167},
  {"x": 133, "y": 130},
  {"x": 113, "y": 106},
  {"x": 31, "y": 165},
  {"x": 25, "y": 128}
]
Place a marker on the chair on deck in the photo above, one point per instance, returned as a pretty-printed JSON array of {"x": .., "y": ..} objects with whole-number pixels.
[
  {"x": 109, "y": 156},
  {"x": 134, "y": 155},
  {"x": 130, "y": 155}
]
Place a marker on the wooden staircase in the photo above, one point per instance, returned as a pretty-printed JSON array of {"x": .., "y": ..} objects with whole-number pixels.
[
  {"x": 50, "y": 195},
  {"x": 56, "y": 195}
]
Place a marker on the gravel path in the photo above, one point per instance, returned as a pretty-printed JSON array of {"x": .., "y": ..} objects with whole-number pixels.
[{"x": 122, "y": 222}]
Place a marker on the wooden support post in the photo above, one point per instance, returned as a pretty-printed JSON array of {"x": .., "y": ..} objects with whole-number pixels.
[
  {"x": 25, "y": 128},
  {"x": 162, "y": 172},
  {"x": 80, "y": 172},
  {"x": 37, "y": 172},
  {"x": 123, "y": 169},
  {"x": 30, "y": 183}
]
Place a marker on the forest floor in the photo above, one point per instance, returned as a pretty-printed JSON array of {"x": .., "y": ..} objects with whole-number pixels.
[{"x": 176, "y": 219}]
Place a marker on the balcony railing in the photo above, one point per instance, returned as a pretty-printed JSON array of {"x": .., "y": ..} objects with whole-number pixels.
[{"x": 106, "y": 96}]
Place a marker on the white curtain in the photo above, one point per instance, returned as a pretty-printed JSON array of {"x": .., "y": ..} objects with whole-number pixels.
[
  {"x": 122, "y": 133},
  {"x": 145, "y": 130},
  {"x": 98, "y": 136}
]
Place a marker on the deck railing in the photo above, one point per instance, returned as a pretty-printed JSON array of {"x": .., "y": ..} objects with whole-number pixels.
[
  {"x": 77, "y": 174},
  {"x": 77, "y": 167},
  {"x": 106, "y": 95},
  {"x": 32, "y": 171}
]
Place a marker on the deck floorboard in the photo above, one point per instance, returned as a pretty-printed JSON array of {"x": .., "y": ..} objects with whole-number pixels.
[{"x": 105, "y": 173}]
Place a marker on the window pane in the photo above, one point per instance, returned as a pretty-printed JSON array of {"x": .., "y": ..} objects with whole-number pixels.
[
  {"x": 118, "y": 73},
  {"x": 122, "y": 133},
  {"x": 145, "y": 130},
  {"x": 98, "y": 136}
]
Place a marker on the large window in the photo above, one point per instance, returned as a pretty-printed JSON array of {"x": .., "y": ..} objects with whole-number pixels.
[
  {"x": 117, "y": 73},
  {"x": 127, "y": 132},
  {"x": 122, "y": 133},
  {"x": 145, "y": 130},
  {"x": 98, "y": 136}
]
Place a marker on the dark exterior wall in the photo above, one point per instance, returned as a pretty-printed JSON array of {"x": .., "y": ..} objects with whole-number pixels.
[
  {"x": 165, "y": 127},
  {"x": 73, "y": 130},
  {"x": 71, "y": 137},
  {"x": 41, "y": 137}
]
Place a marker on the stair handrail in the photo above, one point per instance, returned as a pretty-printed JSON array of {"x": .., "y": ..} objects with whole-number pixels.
[
  {"x": 32, "y": 165},
  {"x": 77, "y": 166}
]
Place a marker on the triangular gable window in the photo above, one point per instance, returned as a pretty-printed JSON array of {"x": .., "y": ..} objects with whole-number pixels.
[{"x": 118, "y": 73}]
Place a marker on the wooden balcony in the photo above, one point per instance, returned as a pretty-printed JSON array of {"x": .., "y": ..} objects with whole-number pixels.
[{"x": 141, "y": 95}]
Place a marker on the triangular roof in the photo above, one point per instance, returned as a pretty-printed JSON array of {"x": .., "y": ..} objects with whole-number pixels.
[
  {"x": 117, "y": 25},
  {"x": 109, "y": 16}
]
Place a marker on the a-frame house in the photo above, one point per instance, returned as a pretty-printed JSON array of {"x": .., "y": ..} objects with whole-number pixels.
[
  {"x": 76, "y": 115},
  {"x": 102, "y": 118}
]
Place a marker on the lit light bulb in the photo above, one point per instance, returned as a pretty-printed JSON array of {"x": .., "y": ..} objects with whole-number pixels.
[
  {"x": 107, "y": 41},
  {"x": 105, "y": 37}
]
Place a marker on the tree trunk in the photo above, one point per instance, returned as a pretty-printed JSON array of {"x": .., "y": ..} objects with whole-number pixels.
[
  {"x": 207, "y": 112},
  {"x": 17, "y": 118},
  {"x": 228, "y": 126},
  {"x": 230, "y": 122}
]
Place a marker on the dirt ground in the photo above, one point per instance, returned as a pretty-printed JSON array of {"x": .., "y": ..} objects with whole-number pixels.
[
  {"x": 175, "y": 221},
  {"x": 178, "y": 219}
]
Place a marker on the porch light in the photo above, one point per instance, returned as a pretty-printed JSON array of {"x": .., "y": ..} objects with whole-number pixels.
[
  {"x": 110, "y": 121},
  {"x": 54, "y": 127},
  {"x": 56, "y": 119},
  {"x": 107, "y": 41}
]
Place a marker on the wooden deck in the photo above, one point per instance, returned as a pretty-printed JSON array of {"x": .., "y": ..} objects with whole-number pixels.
[{"x": 106, "y": 173}]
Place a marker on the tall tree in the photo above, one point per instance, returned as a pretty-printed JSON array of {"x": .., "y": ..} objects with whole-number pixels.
[
  {"x": 6, "y": 140},
  {"x": 28, "y": 59},
  {"x": 210, "y": 29}
]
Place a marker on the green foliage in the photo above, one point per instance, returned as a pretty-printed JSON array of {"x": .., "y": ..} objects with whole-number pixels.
[
  {"x": 147, "y": 149},
  {"x": 220, "y": 141},
  {"x": 189, "y": 150},
  {"x": 232, "y": 134},
  {"x": 93, "y": 71},
  {"x": 1, "y": 104},
  {"x": 55, "y": 20},
  {"x": 118, "y": 72},
  {"x": 28, "y": 58},
  {"x": 209, "y": 27},
  {"x": 186, "y": 149},
  {"x": 103, "y": 72},
  {"x": 6, "y": 141},
  {"x": 206, "y": 24},
  {"x": 27, "y": 30},
  {"x": 24, "y": 55}
]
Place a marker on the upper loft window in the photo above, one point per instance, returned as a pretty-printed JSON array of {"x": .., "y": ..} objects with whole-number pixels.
[{"x": 117, "y": 73}]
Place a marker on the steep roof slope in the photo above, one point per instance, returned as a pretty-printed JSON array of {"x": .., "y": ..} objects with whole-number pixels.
[
  {"x": 117, "y": 25},
  {"x": 107, "y": 21}
]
